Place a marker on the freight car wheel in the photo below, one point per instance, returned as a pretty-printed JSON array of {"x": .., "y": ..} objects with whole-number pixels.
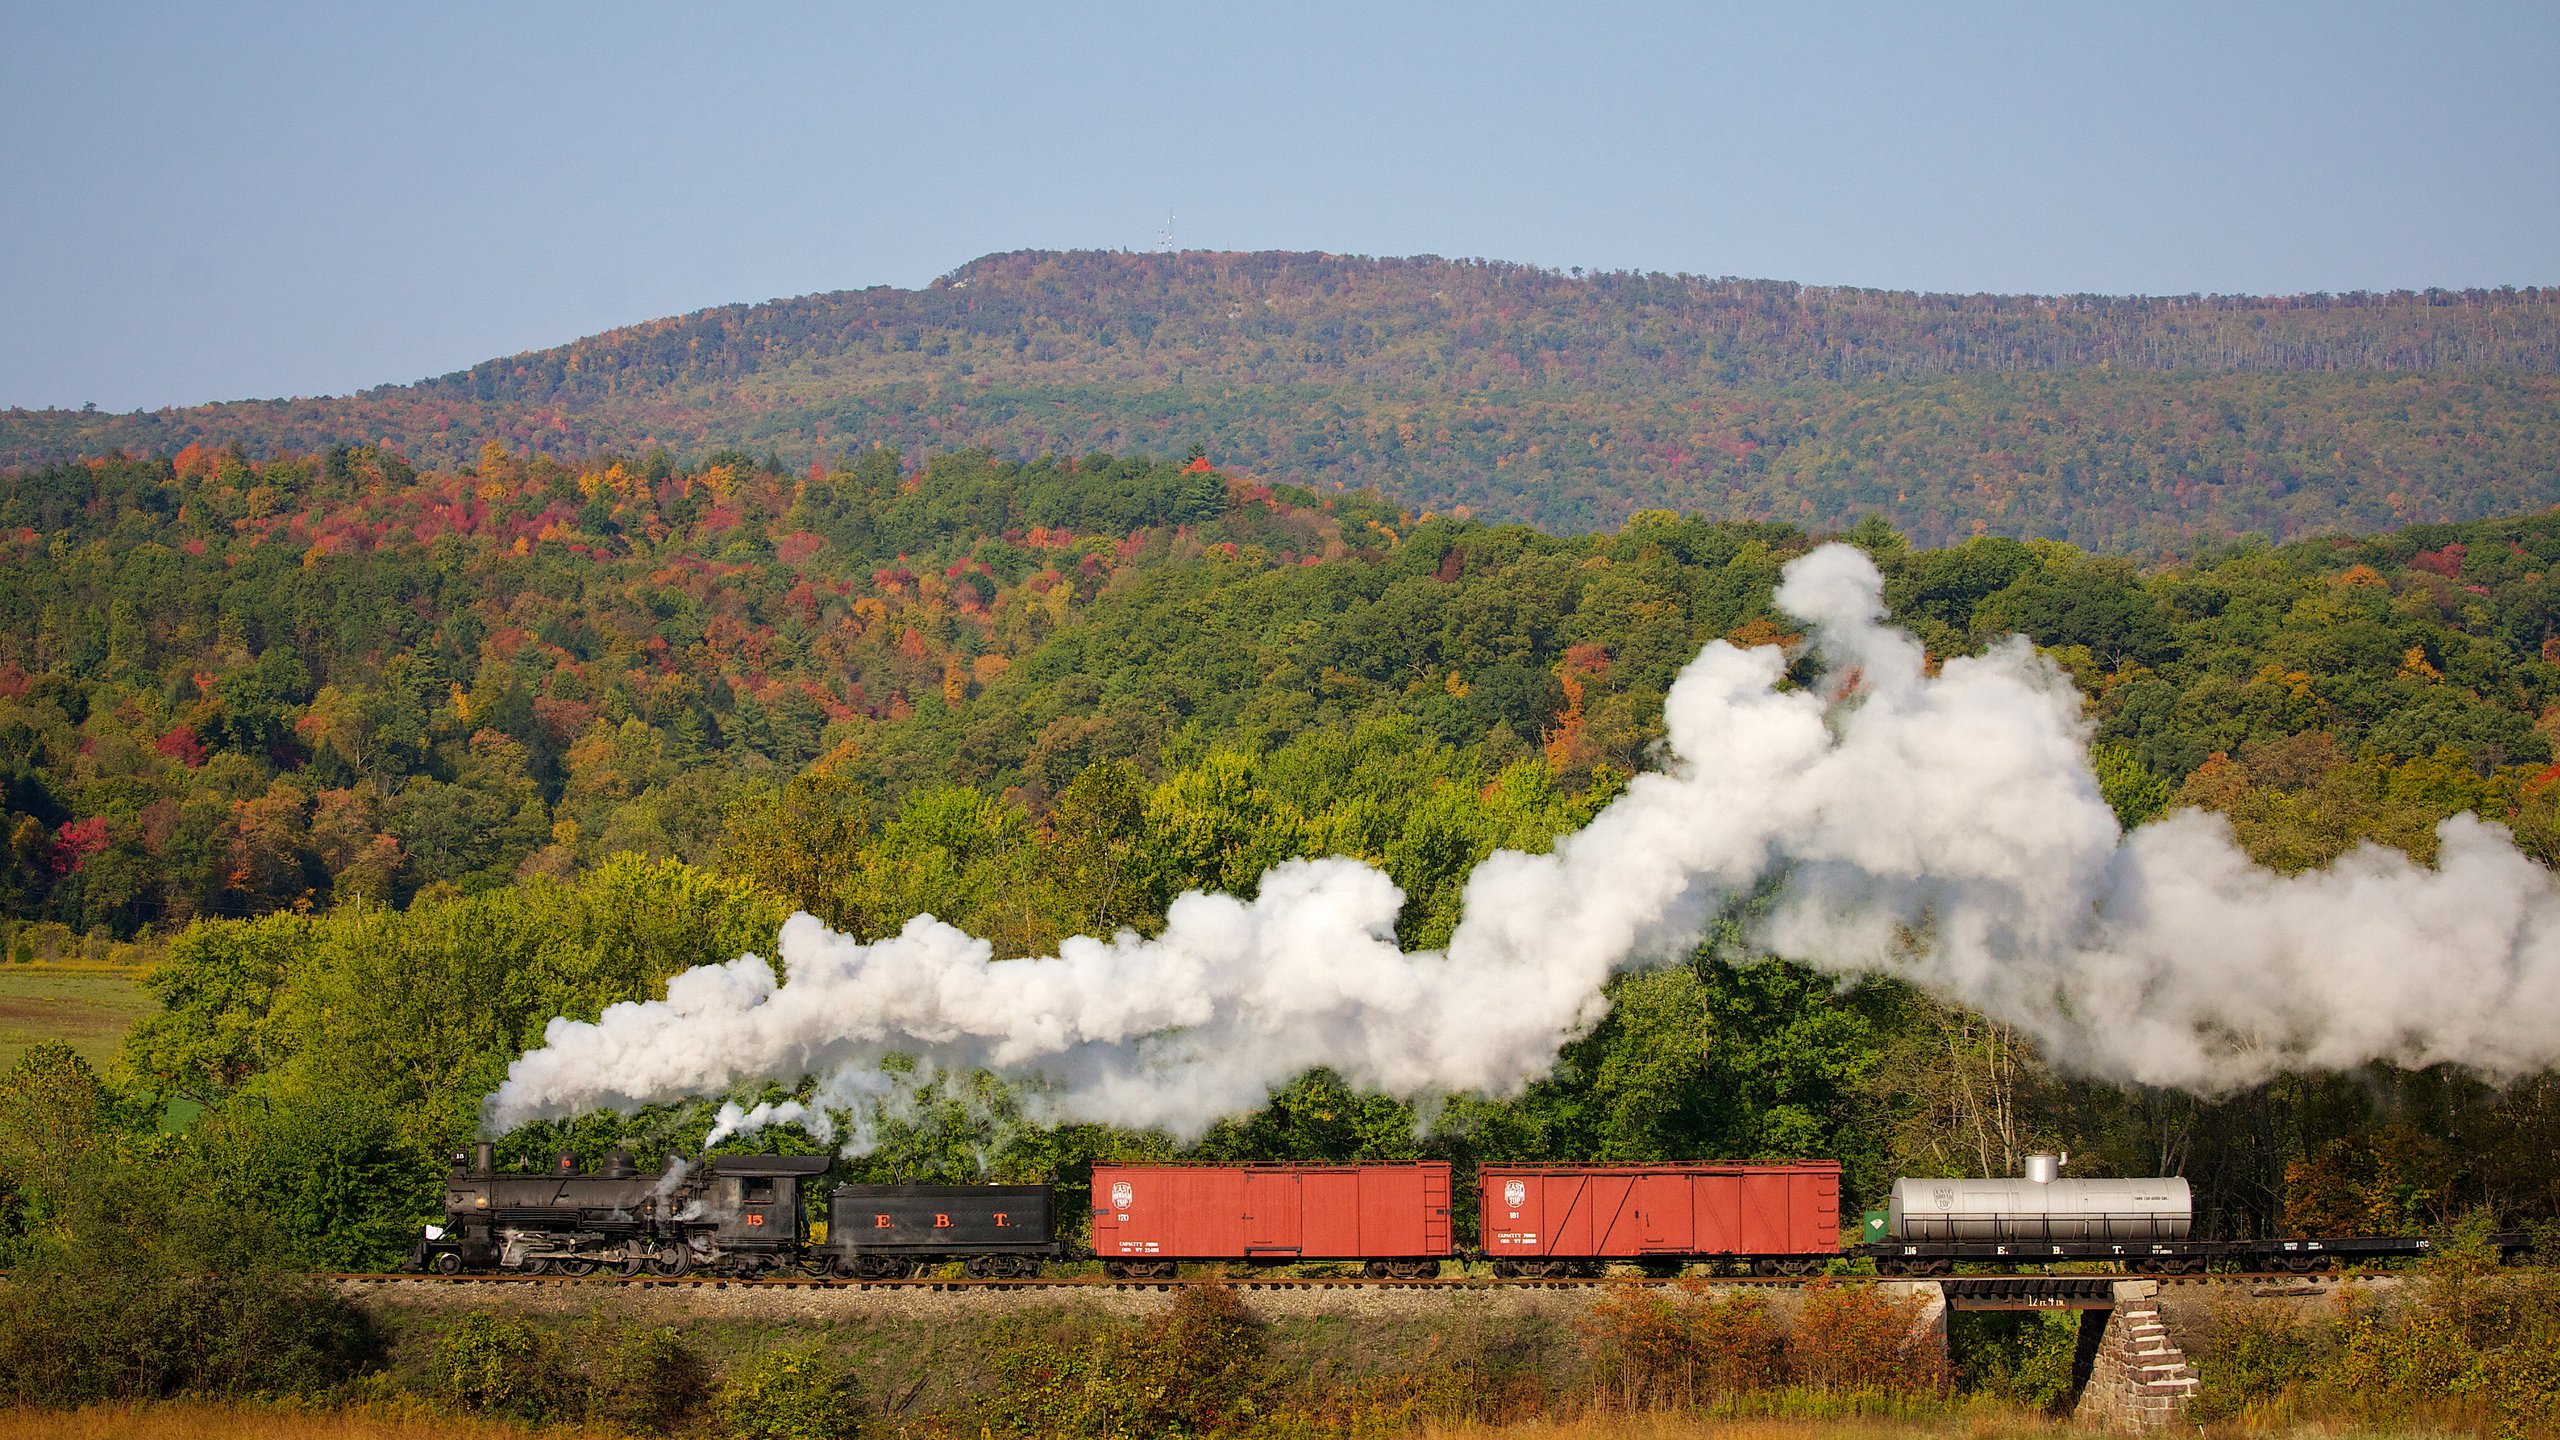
[
  {"x": 1377, "y": 1270},
  {"x": 977, "y": 1267},
  {"x": 1765, "y": 1266}
]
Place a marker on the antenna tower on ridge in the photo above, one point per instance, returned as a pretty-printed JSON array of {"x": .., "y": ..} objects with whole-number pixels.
[{"x": 1164, "y": 240}]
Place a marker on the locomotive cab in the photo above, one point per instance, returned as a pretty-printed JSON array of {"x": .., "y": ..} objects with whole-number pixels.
[{"x": 745, "y": 1212}]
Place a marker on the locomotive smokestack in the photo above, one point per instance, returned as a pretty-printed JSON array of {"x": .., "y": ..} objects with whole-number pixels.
[{"x": 484, "y": 1161}]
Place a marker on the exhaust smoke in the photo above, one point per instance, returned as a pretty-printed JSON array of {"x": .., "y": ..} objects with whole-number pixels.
[{"x": 1946, "y": 829}]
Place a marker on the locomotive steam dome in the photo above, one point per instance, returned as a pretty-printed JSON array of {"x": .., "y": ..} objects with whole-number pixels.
[{"x": 2040, "y": 1206}]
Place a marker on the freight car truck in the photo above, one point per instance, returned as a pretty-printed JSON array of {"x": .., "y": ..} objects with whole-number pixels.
[
  {"x": 1781, "y": 1219},
  {"x": 1392, "y": 1219}
]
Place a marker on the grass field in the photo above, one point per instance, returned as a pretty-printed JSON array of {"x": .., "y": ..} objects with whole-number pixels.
[{"x": 86, "y": 1007}]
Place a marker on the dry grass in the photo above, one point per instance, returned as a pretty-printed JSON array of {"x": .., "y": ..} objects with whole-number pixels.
[
  {"x": 1662, "y": 1425},
  {"x": 225, "y": 1422},
  {"x": 1673, "y": 1425}
]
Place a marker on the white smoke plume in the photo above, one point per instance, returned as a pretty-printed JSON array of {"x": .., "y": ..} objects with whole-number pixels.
[
  {"x": 1946, "y": 828},
  {"x": 734, "y": 1119}
]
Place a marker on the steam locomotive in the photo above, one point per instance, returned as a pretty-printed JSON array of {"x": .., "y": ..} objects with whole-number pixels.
[
  {"x": 746, "y": 1215},
  {"x": 734, "y": 1215}
]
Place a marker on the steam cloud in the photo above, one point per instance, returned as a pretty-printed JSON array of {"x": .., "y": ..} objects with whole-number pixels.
[{"x": 1944, "y": 828}]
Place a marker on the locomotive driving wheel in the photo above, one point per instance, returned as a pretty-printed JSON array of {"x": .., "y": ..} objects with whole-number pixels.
[
  {"x": 447, "y": 1262},
  {"x": 575, "y": 1265},
  {"x": 670, "y": 1261}
]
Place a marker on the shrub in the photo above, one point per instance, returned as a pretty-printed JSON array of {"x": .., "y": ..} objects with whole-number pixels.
[
  {"x": 500, "y": 1365},
  {"x": 790, "y": 1395},
  {"x": 637, "y": 1378},
  {"x": 69, "y": 1338},
  {"x": 2254, "y": 1355},
  {"x": 2022, "y": 1357},
  {"x": 2520, "y": 1381},
  {"x": 135, "y": 1289},
  {"x": 1863, "y": 1338},
  {"x": 1653, "y": 1349},
  {"x": 1199, "y": 1368}
]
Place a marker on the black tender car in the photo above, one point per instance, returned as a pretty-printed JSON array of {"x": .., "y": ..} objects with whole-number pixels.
[{"x": 883, "y": 1232}]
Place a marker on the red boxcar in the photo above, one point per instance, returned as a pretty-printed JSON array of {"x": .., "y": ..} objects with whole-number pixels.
[
  {"x": 1394, "y": 1217},
  {"x": 1548, "y": 1219}
]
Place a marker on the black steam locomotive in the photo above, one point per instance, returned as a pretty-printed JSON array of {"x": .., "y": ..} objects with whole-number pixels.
[{"x": 734, "y": 1215}]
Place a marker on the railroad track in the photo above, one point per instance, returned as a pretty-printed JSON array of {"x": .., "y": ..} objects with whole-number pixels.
[{"x": 1100, "y": 1282}]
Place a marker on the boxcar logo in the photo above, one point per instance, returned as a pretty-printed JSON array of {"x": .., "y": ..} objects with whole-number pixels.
[
  {"x": 1514, "y": 1193},
  {"x": 1945, "y": 1195},
  {"x": 1121, "y": 1194}
]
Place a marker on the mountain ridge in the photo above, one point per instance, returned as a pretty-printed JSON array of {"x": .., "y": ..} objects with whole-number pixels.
[{"x": 1567, "y": 401}]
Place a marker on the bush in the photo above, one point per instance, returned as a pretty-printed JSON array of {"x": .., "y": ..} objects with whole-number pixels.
[
  {"x": 71, "y": 1338},
  {"x": 135, "y": 1289},
  {"x": 1200, "y": 1368},
  {"x": 2520, "y": 1381},
  {"x": 1653, "y": 1349},
  {"x": 637, "y": 1378},
  {"x": 500, "y": 1365},
  {"x": 1857, "y": 1337},
  {"x": 790, "y": 1395},
  {"x": 2021, "y": 1357},
  {"x": 2254, "y": 1356}
]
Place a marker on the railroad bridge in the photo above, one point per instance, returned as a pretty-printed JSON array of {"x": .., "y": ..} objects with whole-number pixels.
[{"x": 2131, "y": 1368}]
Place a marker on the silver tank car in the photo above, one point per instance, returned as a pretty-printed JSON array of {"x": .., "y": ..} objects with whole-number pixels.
[{"x": 2039, "y": 1206}]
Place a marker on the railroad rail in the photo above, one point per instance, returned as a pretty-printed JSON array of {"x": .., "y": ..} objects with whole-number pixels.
[{"x": 1987, "y": 1285}]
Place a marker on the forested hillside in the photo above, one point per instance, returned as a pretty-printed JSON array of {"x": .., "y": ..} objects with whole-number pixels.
[
  {"x": 1567, "y": 401},
  {"x": 395, "y": 765}
]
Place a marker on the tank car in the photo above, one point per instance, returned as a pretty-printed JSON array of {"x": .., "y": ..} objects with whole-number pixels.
[
  {"x": 885, "y": 1232},
  {"x": 2040, "y": 1206}
]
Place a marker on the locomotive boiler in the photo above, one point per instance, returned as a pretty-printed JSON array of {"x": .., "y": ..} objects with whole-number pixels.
[{"x": 736, "y": 1214}]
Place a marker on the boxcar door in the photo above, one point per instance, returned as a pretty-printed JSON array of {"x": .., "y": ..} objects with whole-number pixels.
[
  {"x": 1661, "y": 1204},
  {"x": 1271, "y": 1212}
]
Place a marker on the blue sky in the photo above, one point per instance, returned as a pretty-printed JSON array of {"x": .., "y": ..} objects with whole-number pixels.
[{"x": 241, "y": 201}]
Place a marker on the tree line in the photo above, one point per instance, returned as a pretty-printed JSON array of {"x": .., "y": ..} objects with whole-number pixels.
[{"x": 398, "y": 765}]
